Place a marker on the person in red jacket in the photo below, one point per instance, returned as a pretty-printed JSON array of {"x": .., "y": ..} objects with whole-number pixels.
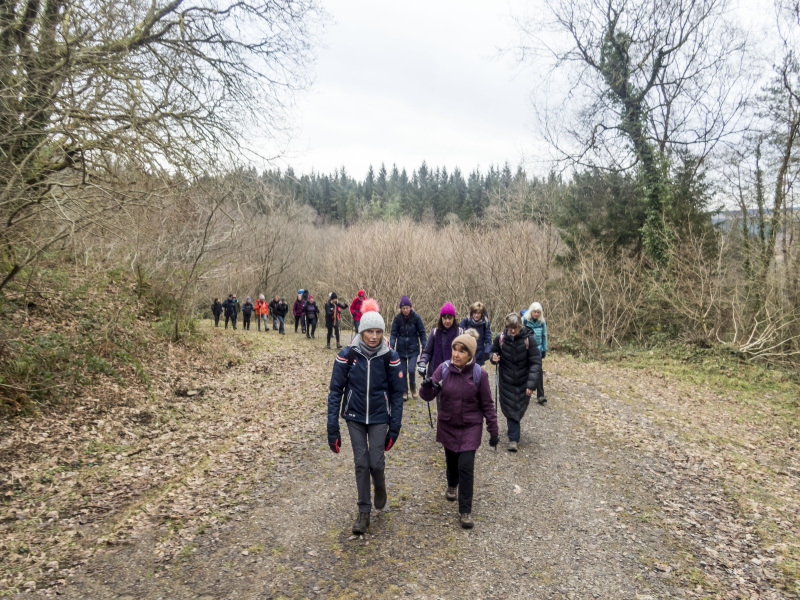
[
  {"x": 262, "y": 311},
  {"x": 355, "y": 308}
]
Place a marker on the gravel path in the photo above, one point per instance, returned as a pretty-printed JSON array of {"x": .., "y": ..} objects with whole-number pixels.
[{"x": 565, "y": 517}]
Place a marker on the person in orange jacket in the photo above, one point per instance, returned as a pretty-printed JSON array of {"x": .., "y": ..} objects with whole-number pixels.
[{"x": 262, "y": 312}]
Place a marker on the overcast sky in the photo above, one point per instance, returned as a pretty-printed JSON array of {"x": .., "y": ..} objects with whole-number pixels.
[{"x": 402, "y": 82}]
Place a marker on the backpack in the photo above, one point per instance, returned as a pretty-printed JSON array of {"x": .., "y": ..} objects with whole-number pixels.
[
  {"x": 476, "y": 374},
  {"x": 527, "y": 341}
]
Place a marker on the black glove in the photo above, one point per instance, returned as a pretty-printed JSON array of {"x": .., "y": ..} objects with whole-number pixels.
[
  {"x": 428, "y": 382},
  {"x": 494, "y": 440},
  {"x": 334, "y": 442},
  {"x": 543, "y": 353},
  {"x": 421, "y": 368},
  {"x": 391, "y": 438}
]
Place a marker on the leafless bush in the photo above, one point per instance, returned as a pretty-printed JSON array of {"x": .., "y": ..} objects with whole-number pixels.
[{"x": 600, "y": 297}]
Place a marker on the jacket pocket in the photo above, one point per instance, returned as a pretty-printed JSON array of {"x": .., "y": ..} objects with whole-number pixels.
[
  {"x": 386, "y": 398},
  {"x": 347, "y": 401}
]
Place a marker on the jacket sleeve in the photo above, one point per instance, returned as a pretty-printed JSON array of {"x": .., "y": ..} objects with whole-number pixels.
[
  {"x": 487, "y": 338},
  {"x": 427, "y": 352},
  {"x": 394, "y": 333},
  {"x": 495, "y": 349},
  {"x": 534, "y": 365},
  {"x": 464, "y": 323},
  {"x": 430, "y": 393},
  {"x": 397, "y": 390},
  {"x": 487, "y": 405},
  {"x": 423, "y": 338},
  {"x": 336, "y": 390},
  {"x": 544, "y": 337}
]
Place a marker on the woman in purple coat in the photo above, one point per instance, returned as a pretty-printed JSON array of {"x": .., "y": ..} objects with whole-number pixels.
[
  {"x": 465, "y": 400},
  {"x": 437, "y": 348}
]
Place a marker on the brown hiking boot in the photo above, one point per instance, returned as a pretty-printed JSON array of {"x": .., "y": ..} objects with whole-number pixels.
[
  {"x": 380, "y": 497},
  {"x": 466, "y": 521},
  {"x": 512, "y": 446},
  {"x": 451, "y": 494},
  {"x": 361, "y": 523},
  {"x": 413, "y": 393}
]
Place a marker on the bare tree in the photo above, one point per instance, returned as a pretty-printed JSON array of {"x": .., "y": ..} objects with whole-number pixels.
[
  {"x": 89, "y": 88},
  {"x": 645, "y": 80}
]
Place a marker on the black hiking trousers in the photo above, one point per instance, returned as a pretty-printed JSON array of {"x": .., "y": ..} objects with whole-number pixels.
[
  {"x": 333, "y": 329},
  {"x": 245, "y": 321},
  {"x": 232, "y": 319},
  {"x": 461, "y": 474}
]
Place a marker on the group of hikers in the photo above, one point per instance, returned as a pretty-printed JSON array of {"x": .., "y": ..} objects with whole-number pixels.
[
  {"x": 230, "y": 307},
  {"x": 374, "y": 375},
  {"x": 305, "y": 311}
]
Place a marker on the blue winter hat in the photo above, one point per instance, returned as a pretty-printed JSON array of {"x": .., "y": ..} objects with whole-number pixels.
[
  {"x": 404, "y": 301},
  {"x": 300, "y": 291}
]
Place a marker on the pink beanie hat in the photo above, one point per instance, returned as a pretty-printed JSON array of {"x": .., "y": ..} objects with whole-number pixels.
[{"x": 448, "y": 309}]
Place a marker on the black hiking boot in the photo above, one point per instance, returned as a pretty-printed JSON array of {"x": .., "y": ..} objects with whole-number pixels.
[
  {"x": 361, "y": 523},
  {"x": 380, "y": 497},
  {"x": 328, "y": 346},
  {"x": 338, "y": 346},
  {"x": 541, "y": 400},
  {"x": 466, "y": 521}
]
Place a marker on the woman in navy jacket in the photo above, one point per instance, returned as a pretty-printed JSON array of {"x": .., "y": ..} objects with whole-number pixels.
[
  {"x": 367, "y": 375},
  {"x": 408, "y": 338}
]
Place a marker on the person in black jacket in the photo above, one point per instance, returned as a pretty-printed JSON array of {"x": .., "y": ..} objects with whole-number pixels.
[
  {"x": 216, "y": 310},
  {"x": 273, "y": 304},
  {"x": 408, "y": 337},
  {"x": 281, "y": 310},
  {"x": 231, "y": 308},
  {"x": 311, "y": 311},
  {"x": 333, "y": 314},
  {"x": 247, "y": 309},
  {"x": 517, "y": 353}
]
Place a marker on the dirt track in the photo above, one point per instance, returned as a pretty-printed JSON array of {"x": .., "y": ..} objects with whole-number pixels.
[{"x": 574, "y": 514}]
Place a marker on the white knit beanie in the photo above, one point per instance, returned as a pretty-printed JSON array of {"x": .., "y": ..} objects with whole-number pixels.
[{"x": 371, "y": 320}]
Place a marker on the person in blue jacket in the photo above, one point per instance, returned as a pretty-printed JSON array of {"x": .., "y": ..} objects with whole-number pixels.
[
  {"x": 534, "y": 320},
  {"x": 408, "y": 337},
  {"x": 367, "y": 374},
  {"x": 479, "y": 321}
]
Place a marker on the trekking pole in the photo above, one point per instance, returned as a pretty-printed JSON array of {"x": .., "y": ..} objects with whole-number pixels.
[
  {"x": 495, "y": 397},
  {"x": 430, "y": 416}
]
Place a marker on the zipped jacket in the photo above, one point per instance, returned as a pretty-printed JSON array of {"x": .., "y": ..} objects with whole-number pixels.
[
  {"x": 262, "y": 308},
  {"x": 281, "y": 309},
  {"x": 231, "y": 307},
  {"x": 333, "y": 312},
  {"x": 312, "y": 311},
  {"x": 539, "y": 329},
  {"x": 367, "y": 391},
  {"x": 408, "y": 334},
  {"x": 484, "y": 329}
]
